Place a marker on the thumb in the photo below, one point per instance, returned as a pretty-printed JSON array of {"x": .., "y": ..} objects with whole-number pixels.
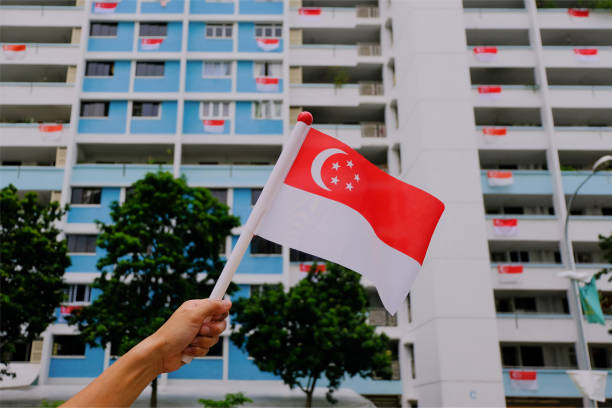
[{"x": 209, "y": 307}]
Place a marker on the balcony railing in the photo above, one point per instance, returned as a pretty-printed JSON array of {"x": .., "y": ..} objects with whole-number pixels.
[
  {"x": 371, "y": 88},
  {"x": 368, "y": 50},
  {"x": 367, "y": 12},
  {"x": 380, "y": 317},
  {"x": 372, "y": 129}
]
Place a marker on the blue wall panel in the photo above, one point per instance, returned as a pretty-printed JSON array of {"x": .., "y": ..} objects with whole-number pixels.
[
  {"x": 551, "y": 383},
  {"x": 196, "y": 83},
  {"x": 246, "y": 39},
  {"x": 90, "y": 213},
  {"x": 198, "y": 41},
  {"x": 241, "y": 368},
  {"x": 165, "y": 124},
  {"x": 247, "y": 125},
  {"x": 85, "y": 263},
  {"x": 119, "y": 82},
  {"x": 525, "y": 182},
  {"x": 245, "y": 80},
  {"x": 168, "y": 83},
  {"x": 90, "y": 366},
  {"x": 261, "y": 7},
  {"x": 122, "y": 42},
  {"x": 211, "y": 7},
  {"x": 124, "y": 6},
  {"x": 192, "y": 124},
  {"x": 226, "y": 175},
  {"x": 259, "y": 264},
  {"x": 32, "y": 178},
  {"x": 599, "y": 184},
  {"x": 112, "y": 174},
  {"x": 171, "y": 43},
  {"x": 200, "y": 369},
  {"x": 114, "y": 123},
  {"x": 171, "y": 7},
  {"x": 242, "y": 204}
]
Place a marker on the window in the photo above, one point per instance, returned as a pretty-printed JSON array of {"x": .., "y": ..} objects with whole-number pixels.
[
  {"x": 216, "y": 69},
  {"x": 532, "y": 356},
  {"x": 78, "y": 293},
  {"x": 150, "y": 69},
  {"x": 220, "y": 194},
  {"x": 268, "y": 109},
  {"x": 261, "y": 246},
  {"x": 215, "y": 109},
  {"x": 255, "y": 193},
  {"x": 86, "y": 195},
  {"x": 84, "y": 244},
  {"x": 153, "y": 29},
  {"x": 94, "y": 109},
  {"x": 268, "y": 30},
  {"x": 67, "y": 345},
  {"x": 105, "y": 69},
  {"x": 601, "y": 357},
  {"x": 268, "y": 69},
  {"x": 145, "y": 109},
  {"x": 103, "y": 30},
  {"x": 219, "y": 31},
  {"x": 519, "y": 256}
]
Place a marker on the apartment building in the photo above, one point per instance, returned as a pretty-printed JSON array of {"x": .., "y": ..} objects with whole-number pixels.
[{"x": 498, "y": 107}]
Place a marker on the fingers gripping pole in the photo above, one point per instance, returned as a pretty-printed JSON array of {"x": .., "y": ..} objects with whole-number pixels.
[{"x": 278, "y": 175}]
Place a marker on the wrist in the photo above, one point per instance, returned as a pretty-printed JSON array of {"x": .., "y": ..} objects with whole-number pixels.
[{"x": 149, "y": 354}]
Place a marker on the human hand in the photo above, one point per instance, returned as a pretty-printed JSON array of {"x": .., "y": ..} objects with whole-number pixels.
[{"x": 192, "y": 330}]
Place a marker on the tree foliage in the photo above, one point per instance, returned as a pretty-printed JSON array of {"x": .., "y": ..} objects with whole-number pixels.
[
  {"x": 230, "y": 401},
  {"x": 605, "y": 244},
  {"x": 160, "y": 239},
  {"x": 33, "y": 263},
  {"x": 316, "y": 329}
]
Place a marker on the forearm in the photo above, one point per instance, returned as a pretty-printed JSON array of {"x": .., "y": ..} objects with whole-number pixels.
[{"x": 121, "y": 383}]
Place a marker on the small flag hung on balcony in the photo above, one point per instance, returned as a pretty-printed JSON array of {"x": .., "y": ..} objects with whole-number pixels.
[
  {"x": 591, "y": 306},
  {"x": 306, "y": 268},
  {"x": 499, "y": 178},
  {"x": 509, "y": 273},
  {"x": 586, "y": 55},
  {"x": 67, "y": 311},
  {"x": 267, "y": 84},
  {"x": 505, "y": 227},
  {"x": 522, "y": 380},
  {"x": 309, "y": 14},
  {"x": 150, "y": 44},
  {"x": 268, "y": 44},
  {"x": 494, "y": 134},
  {"x": 14, "y": 51},
  {"x": 578, "y": 12},
  {"x": 214, "y": 126},
  {"x": 490, "y": 92},
  {"x": 485, "y": 54},
  {"x": 51, "y": 131},
  {"x": 105, "y": 7},
  {"x": 591, "y": 384}
]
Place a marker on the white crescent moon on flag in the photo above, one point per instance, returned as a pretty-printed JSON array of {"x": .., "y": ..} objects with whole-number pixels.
[{"x": 317, "y": 164}]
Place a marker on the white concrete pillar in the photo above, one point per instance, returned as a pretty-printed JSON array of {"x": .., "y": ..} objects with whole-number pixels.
[{"x": 45, "y": 359}]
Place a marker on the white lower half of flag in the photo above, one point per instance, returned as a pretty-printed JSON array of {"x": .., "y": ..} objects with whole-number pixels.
[
  {"x": 586, "y": 55},
  {"x": 327, "y": 222},
  {"x": 523, "y": 380},
  {"x": 214, "y": 126}
]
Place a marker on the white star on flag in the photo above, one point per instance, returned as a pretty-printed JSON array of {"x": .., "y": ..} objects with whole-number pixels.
[
  {"x": 356, "y": 177},
  {"x": 334, "y": 180},
  {"x": 349, "y": 163},
  {"x": 336, "y": 166},
  {"x": 349, "y": 186}
]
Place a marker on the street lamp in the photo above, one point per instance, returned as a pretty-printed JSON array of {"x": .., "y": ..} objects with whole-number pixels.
[{"x": 584, "y": 363}]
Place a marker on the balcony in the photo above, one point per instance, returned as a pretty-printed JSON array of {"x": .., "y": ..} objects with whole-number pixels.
[
  {"x": 513, "y": 137},
  {"x": 529, "y": 228},
  {"x": 48, "y": 93},
  {"x": 527, "y": 327},
  {"x": 496, "y": 18},
  {"x": 227, "y": 175},
  {"x": 32, "y": 178},
  {"x": 564, "y": 56},
  {"x": 509, "y": 96},
  {"x": 584, "y": 138},
  {"x": 599, "y": 184},
  {"x": 581, "y": 96},
  {"x": 506, "y": 56},
  {"x": 50, "y": 54},
  {"x": 356, "y": 135},
  {"x": 332, "y": 95},
  {"x": 104, "y": 175},
  {"x": 588, "y": 228},
  {"x": 560, "y": 18},
  {"x": 551, "y": 383},
  {"x": 334, "y": 55},
  {"x": 36, "y": 16},
  {"x": 335, "y": 17},
  {"x": 525, "y": 182},
  {"x": 540, "y": 277},
  {"x": 33, "y": 134}
]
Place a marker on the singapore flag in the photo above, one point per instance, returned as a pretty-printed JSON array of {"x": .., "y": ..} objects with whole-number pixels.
[
  {"x": 14, "y": 51},
  {"x": 105, "y": 7},
  {"x": 505, "y": 227},
  {"x": 336, "y": 205},
  {"x": 268, "y": 44},
  {"x": 523, "y": 380},
  {"x": 214, "y": 126}
]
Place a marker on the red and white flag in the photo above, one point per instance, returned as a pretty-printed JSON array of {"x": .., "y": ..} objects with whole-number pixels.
[
  {"x": 67, "y": 310},
  {"x": 268, "y": 44},
  {"x": 505, "y": 227},
  {"x": 214, "y": 126},
  {"x": 485, "y": 54},
  {"x": 500, "y": 178},
  {"x": 578, "y": 12},
  {"x": 309, "y": 14},
  {"x": 105, "y": 7},
  {"x": 490, "y": 92},
  {"x": 587, "y": 55},
  {"x": 523, "y": 380},
  {"x": 266, "y": 84},
  {"x": 509, "y": 273},
  {"x": 494, "y": 134},
  {"x": 336, "y": 205},
  {"x": 50, "y": 127},
  {"x": 14, "y": 51},
  {"x": 150, "y": 44},
  {"x": 306, "y": 268}
]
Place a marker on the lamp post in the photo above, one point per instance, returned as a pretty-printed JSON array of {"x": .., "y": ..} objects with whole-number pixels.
[{"x": 584, "y": 361}]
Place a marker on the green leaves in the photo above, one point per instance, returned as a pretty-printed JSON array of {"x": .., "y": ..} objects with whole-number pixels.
[
  {"x": 33, "y": 263},
  {"x": 318, "y": 328}
]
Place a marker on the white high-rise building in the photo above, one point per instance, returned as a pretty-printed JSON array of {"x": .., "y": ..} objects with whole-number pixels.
[{"x": 497, "y": 107}]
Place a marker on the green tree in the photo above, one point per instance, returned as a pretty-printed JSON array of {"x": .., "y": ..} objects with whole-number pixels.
[
  {"x": 161, "y": 238},
  {"x": 33, "y": 263},
  {"x": 316, "y": 329}
]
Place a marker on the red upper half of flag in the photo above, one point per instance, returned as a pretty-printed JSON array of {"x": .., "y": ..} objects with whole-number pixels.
[
  {"x": 509, "y": 269},
  {"x": 494, "y": 131},
  {"x": 489, "y": 89},
  {"x": 13, "y": 47},
  {"x": 499, "y": 174},
  {"x": 585, "y": 51},
  {"x": 578, "y": 12},
  {"x": 402, "y": 216},
  {"x": 523, "y": 375},
  {"x": 485, "y": 50},
  {"x": 505, "y": 222},
  {"x": 309, "y": 12}
]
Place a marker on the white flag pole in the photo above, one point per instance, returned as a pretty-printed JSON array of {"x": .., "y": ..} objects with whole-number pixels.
[{"x": 278, "y": 175}]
